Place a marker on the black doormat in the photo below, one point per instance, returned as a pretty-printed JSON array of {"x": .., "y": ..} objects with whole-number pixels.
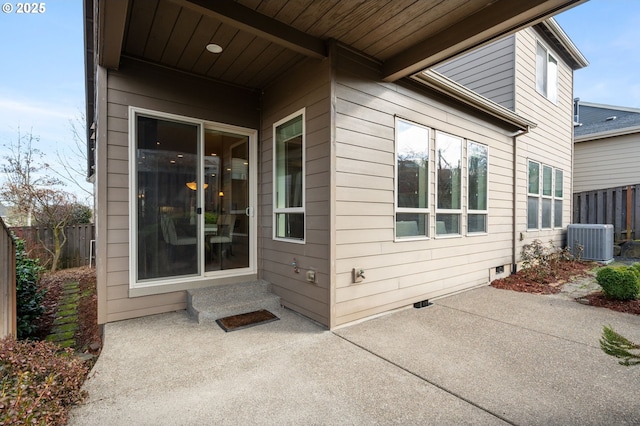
[{"x": 238, "y": 322}]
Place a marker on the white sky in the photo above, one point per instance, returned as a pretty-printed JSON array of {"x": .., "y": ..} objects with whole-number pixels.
[{"x": 42, "y": 65}]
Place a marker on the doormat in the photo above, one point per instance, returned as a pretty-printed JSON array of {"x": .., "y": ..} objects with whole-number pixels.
[{"x": 238, "y": 322}]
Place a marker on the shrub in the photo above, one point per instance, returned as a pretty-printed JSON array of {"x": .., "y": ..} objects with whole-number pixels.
[
  {"x": 29, "y": 295},
  {"x": 539, "y": 261},
  {"x": 619, "y": 283},
  {"x": 38, "y": 382}
]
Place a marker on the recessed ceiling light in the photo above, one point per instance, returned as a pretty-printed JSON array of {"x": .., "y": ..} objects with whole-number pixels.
[{"x": 214, "y": 48}]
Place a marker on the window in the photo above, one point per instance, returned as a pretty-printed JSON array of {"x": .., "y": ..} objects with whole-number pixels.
[
  {"x": 557, "y": 202},
  {"x": 412, "y": 180},
  {"x": 546, "y": 73},
  {"x": 547, "y": 188},
  {"x": 533, "y": 198},
  {"x": 477, "y": 195},
  {"x": 289, "y": 178},
  {"x": 544, "y": 199},
  {"x": 448, "y": 184},
  {"x": 165, "y": 157}
]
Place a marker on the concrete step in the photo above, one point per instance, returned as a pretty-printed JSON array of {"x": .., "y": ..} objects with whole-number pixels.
[{"x": 211, "y": 303}]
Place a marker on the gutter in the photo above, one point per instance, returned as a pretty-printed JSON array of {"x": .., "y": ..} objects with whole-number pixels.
[{"x": 450, "y": 88}]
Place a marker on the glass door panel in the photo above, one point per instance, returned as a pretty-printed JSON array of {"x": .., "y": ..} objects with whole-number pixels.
[
  {"x": 166, "y": 176},
  {"x": 226, "y": 200}
]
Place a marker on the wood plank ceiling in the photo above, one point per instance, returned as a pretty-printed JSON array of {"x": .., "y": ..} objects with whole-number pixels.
[{"x": 254, "y": 33}]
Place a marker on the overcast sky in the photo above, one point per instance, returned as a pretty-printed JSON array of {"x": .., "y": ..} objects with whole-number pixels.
[{"x": 42, "y": 71}]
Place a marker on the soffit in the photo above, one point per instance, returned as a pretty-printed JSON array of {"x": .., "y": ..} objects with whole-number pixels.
[{"x": 262, "y": 39}]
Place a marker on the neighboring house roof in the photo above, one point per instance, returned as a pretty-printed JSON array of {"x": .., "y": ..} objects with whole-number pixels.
[{"x": 594, "y": 121}]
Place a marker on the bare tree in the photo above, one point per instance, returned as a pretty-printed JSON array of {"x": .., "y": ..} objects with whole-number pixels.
[
  {"x": 53, "y": 209},
  {"x": 73, "y": 162},
  {"x": 22, "y": 171}
]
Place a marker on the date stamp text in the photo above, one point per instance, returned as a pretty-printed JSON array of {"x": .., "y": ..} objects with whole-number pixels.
[{"x": 24, "y": 8}]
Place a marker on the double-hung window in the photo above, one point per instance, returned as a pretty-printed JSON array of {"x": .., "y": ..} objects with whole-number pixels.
[
  {"x": 546, "y": 73},
  {"x": 289, "y": 178},
  {"x": 448, "y": 184},
  {"x": 477, "y": 194},
  {"x": 544, "y": 196},
  {"x": 412, "y": 177}
]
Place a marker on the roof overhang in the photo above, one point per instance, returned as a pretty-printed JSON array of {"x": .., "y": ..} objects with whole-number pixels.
[
  {"x": 450, "y": 88},
  {"x": 265, "y": 39},
  {"x": 570, "y": 51},
  {"x": 607, "y": 134},
  {"x": 496, "y": 20}
]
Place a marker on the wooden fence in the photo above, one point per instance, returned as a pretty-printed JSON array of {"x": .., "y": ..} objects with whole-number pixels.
[
  {"x": 8, "y": 305},
  {"x": 76, "y": 251},
  {"x": 617, "y": 206}
]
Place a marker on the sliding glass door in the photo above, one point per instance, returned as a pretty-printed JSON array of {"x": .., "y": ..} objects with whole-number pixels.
[
  {"x": 192, "y": 194},
  {"x": 226, "y": 200}
]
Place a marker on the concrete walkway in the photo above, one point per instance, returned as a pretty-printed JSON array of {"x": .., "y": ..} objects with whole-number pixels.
[{"x": 485, "y": 356}]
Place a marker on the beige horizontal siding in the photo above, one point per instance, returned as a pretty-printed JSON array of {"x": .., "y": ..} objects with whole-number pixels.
[
  {"x": 550, "y": 142},
  {"x": 606, "y": 163},
  {"x": 306, "y": 86},
  {"x": 400, "y": 273},
  {"x": 144, "y": 86}
]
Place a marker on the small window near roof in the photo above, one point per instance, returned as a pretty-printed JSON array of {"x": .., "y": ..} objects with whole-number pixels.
[{"x": 546, "y": 73}]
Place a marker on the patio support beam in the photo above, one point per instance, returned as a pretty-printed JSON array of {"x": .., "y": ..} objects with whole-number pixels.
[
  {"x": 112, "y": 18},
  {"x": 498, "y": 19},
  {"x": 246, "y": 19}
]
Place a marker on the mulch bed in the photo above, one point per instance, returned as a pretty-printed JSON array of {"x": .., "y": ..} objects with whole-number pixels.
[
  {"x": 563, "y": 273},
  {"x": 552, "y": 283},
  {"x": 600, "y": 300}
]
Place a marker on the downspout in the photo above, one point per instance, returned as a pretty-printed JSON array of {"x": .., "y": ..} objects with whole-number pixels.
[{"x": 514, "y": 251}]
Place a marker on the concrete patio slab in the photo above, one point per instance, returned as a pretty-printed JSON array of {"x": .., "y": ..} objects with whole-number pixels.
[{"x": 486, "y": 356}]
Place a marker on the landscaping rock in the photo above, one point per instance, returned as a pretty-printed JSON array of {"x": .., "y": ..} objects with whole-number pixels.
[{"x": 630, "y": 249}]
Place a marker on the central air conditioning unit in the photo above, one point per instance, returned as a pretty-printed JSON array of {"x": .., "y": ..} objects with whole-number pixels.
[{"x": 596, "y": 241}]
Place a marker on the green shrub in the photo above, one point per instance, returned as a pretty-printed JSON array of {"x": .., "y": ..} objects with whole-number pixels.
[
  {"x": 29, "y": 295},
  {"x": 619, "y": 283},
  {"x": 636, "y": 268},
  {"x": 39, "y": 382}
]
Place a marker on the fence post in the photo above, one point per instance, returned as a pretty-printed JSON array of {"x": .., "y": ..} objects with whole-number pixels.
[{"x": 8, "y": 302}]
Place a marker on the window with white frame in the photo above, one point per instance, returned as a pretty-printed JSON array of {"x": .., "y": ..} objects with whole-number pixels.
[
  {"x": 412, "y": 180},
  {"x": 557, "y": 202},
  {"x": 477, "y": 194},
  {"x": 547, "y": 196},
  {"x": 544, "y": 196},
  {"x": 533, "y": 195},
  {"x": 289, "y": 178},
  {"x": 546, "y": 73},
  {"x": 448, "y": 184}
]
